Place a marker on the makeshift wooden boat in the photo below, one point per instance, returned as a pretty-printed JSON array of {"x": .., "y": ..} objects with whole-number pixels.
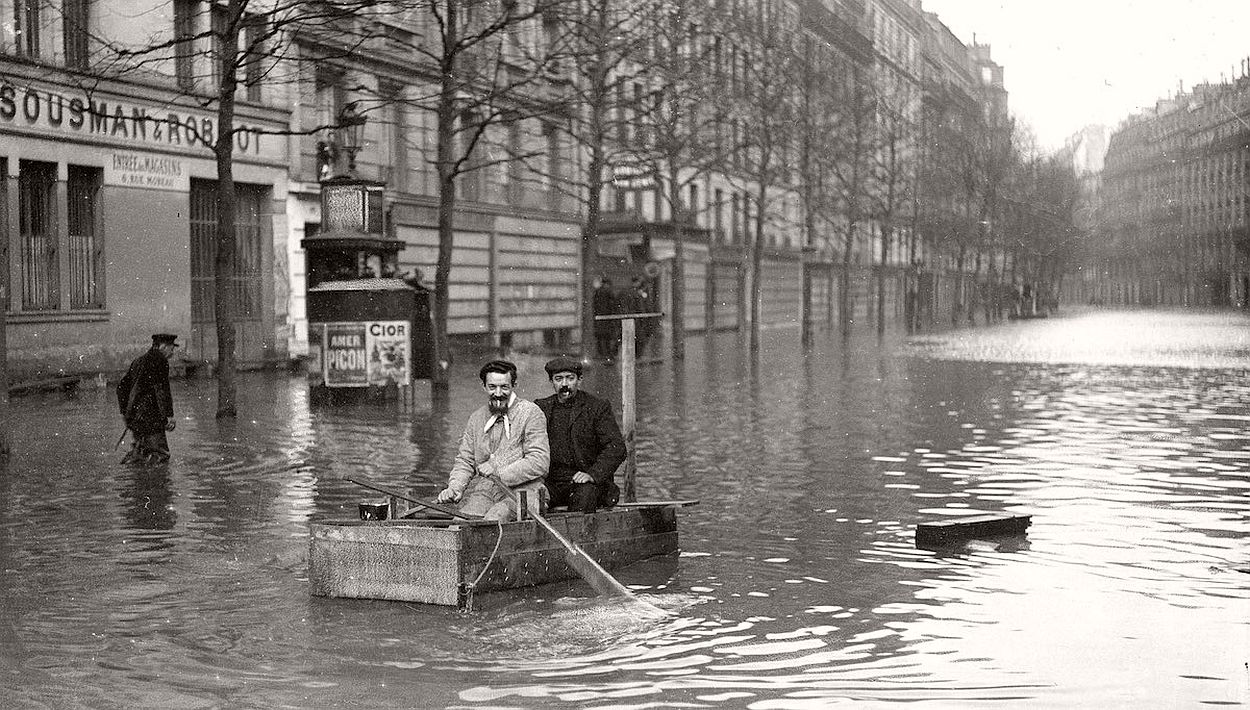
[
  {"x": 442, "y": 561},
  {"x": 446, "y": 561}
]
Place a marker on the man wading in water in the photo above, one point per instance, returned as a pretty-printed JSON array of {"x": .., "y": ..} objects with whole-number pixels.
[{"x": 145, "y": 403}]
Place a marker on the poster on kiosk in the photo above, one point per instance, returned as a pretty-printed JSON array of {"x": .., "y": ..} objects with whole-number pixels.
[{"x": 372, "y": 353}]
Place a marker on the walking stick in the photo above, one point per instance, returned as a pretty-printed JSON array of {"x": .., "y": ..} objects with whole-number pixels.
[{"x": 121, "y": 438}]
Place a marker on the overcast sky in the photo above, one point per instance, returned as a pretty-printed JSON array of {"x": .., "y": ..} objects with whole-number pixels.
[{"x": 1070, "y": 63}]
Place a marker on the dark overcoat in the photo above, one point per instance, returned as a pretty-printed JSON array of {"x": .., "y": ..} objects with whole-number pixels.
[
  {"x": 597, "y": 442},
  {"x": 143, "y": 393}
]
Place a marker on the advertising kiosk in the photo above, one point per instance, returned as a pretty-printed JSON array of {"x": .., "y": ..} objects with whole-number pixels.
[{"x": 369, "y": 331}]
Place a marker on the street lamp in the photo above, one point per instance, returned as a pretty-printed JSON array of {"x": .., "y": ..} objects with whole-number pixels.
[{"x": 351, "y": 134}]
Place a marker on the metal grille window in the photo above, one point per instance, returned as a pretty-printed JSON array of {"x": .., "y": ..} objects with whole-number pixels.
[
  {"x": 86, "y": 249},
  {"x": 36, "y": 188},
  {"x": 249, "y": 244}
]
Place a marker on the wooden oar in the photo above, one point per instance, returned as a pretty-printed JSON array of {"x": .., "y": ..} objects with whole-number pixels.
[
  {"x": 584, "y": 564},
  {"x": 366, "y": 483}
]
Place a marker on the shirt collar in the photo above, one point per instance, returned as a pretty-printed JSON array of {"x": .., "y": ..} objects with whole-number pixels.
[{"x": 507, "y": 420}]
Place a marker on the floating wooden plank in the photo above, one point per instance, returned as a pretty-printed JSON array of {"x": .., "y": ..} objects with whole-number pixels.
[
  {"x": 423, "y": 561},
  {"x": 947, "y": 532}
]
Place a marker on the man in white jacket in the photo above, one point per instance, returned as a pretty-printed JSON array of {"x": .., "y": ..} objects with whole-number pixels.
[{"x": 505, "y": 440}]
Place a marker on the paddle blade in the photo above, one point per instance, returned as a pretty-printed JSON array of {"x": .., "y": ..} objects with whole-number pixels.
[{"x": 585, "y": 565}]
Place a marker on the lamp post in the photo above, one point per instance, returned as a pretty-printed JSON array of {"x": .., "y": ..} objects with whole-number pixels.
[{"x": 351, "y": 133}]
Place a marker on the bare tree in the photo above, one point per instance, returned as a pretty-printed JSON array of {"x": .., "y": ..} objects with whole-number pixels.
[
  {"x": 484, "y": 74},
  {"x": 678, "y": 121},
  {"x": 604, "y": 45},
  {"x": 767, "y": 107},
  {"x": 822, "y": 85},
  {"x": 893, "y": 169},
  {"x": 853, "y": 137},
  {"x": 210, "y": 55}
]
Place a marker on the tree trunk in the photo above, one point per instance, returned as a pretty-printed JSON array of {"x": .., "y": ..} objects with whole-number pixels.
[
  {"x": 6, "y": 446},
  {"x": 446, "y": 118},
  {"x": 959, "y": 285},
  {"x": 679, "y": 269},
  {"x": 757, "y": 265},
  {"x": 594, "y": 198},
  {"x": 886, "y": 234},
  {"x": 807, "y": 324},
  {"x": 439, "y": 380},
  {"x": 844, "y": 288},
  {"x": 223, "y": 264}
]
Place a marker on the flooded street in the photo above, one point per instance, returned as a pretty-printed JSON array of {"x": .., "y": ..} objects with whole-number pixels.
[{"x": 1125, "y": 435}]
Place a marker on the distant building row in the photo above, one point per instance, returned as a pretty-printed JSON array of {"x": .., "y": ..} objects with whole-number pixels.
[
  {"x": 1173, "y": 226},
  {"x": 107, "y": 186}
]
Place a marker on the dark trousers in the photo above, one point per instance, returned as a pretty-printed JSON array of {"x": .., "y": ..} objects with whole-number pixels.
[
  {"x": 583, "y": 497},
  {"x": 579, "y": 497},
  {"x": 148, "y": 447}
]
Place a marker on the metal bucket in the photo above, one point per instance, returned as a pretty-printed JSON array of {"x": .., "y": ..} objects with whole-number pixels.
[{"x": 373, "y": 511}]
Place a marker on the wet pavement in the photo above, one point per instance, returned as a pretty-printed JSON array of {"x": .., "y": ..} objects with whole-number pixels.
[{"x": 1125, "y": 435}]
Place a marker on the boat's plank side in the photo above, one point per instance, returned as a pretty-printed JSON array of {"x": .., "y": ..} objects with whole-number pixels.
[
  {"x": 527, "y": 555},
  {"x": 407, "y": 561},
  {"x": 525, "y": 568},
  {"x": 385, "y": 562}
]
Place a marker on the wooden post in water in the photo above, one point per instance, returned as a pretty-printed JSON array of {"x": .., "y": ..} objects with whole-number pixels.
[
  {"x": 629, "y": 324},
  {"x": 629, "y": 491}
]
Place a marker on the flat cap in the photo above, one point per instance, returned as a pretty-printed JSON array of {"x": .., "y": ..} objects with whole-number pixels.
[
  {"x": 164, "y": 339},
  {"x": 563, "y": 364}
]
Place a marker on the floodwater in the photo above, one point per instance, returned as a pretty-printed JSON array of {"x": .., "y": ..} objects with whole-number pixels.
[{"x": 1125, "y": 435}]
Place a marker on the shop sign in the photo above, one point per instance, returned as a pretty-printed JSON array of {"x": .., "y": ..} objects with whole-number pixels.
[
  {"x": 632, "y": 175},
  {"x": 102, "y": 117},
  {"x": 362, "y": 353},
  {"x": 150, "y": 171}
]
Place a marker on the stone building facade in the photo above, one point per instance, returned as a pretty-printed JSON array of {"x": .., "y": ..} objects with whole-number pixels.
[{"x": 1173, "y": 205}]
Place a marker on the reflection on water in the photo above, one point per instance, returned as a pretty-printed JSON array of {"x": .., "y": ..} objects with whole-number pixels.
[{"x": 1126, "y": 436}]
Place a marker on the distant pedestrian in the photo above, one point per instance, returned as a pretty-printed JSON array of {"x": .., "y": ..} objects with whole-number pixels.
[
  {"x": 641, "y": 301},
  {"x": 603, "y": 303},
  {"x": 145, "y": 403}
]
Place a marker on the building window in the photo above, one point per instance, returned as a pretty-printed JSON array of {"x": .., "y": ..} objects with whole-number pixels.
[
  {"x": 86, "y": 249},
  {"x": 469, "y": 181},
  {"x": 36, "y": 200},
  {"x": 253, "y": 54},
  {"x": 395, "y": 168},
  {"x": 249, "y": 50},
  {"x": 555, "y": 162},
  {"x": 76, "y": 18},
  {"x": 184, "y": 47},
  {"x": 220, "y": 23},
  {"x": 26, "y": 27},
  {"x": 718, "y": 216},
  {"x": 512, "y": 172}
]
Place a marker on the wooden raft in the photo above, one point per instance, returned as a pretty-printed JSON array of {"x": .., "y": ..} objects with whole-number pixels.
[
  {"x": 433, "y": 561},
  {"x": 947, "y": 532}
]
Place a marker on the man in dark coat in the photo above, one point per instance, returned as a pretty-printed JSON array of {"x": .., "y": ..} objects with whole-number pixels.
[
  {"x": 607, "y": 332},
  {"x": 586, "y": 444},
  {"x": 145, "y": 403}
]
